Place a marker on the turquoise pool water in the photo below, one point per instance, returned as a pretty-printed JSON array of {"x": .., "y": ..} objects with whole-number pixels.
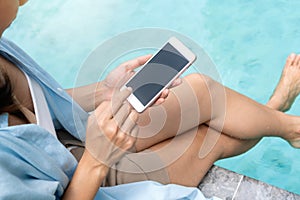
[{"x": 248, "y": 40}]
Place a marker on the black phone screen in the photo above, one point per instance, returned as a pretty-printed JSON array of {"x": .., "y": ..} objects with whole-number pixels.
[{"x": 157, "y": 73}]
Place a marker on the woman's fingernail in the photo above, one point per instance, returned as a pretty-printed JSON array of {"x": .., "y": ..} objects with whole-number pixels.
[{"x": 293, "y": 55}]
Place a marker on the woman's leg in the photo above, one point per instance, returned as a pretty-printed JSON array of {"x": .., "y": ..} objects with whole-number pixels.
[
  {"x": 179, "y": 172},
  {"x": 201, "y": 100},
  {"x": 180, "y": 155},
  {"x": 188, "y": 169}
]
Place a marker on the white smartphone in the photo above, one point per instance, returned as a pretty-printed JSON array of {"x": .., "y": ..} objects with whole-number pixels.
[{"x": 158, "y": 73}]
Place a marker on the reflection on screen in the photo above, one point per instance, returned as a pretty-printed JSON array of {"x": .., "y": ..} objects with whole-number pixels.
[{"x": 157, "y": 73}]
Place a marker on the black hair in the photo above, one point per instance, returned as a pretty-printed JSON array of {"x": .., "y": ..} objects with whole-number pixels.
[
  {"x": 8, "y": 101},
  {"x": 6, "y": 96}
]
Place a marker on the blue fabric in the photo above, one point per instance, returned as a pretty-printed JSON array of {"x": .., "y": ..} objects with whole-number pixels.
[
  {"x": 149, "y": 190},
  {"x": 35, "y": 165},
  {"x": 3, "y": 120},
  {"x": 73, "y": 118}
]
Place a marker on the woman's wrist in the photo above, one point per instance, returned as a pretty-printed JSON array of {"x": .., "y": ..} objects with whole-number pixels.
[
  {"x": 87, "y": 178},
  {"x": 90, "y": 96},
  {"x": 92, "y": 165},
  {"x": 102, "y": 93}
]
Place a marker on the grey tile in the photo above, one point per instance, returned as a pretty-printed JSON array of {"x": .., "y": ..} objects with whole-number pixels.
[
  {"x": 253, "y": 189},
  {"x": 220, "y": 183}
]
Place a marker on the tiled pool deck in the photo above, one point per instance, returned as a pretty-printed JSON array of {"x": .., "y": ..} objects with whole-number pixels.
[{"x": 229, "y": 185}]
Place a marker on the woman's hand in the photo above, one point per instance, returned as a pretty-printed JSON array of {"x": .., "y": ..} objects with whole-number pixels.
[
  {"x": 91, "y": 96},
  {"x": 121, "y": 74},
  {"x": 112, "y": 129},
  {"x": 111, "y": 132}
]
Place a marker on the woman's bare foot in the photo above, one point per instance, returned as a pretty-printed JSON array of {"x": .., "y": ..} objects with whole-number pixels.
[{"x": 288, "y": 87}]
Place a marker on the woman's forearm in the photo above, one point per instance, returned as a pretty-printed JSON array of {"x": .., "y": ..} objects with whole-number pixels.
[
  {"x": 89, "y": 96},
  {"x": 87, "y": 178}
]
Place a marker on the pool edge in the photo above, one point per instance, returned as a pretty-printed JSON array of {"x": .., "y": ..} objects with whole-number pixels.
[{"x": 226, "y": 184}]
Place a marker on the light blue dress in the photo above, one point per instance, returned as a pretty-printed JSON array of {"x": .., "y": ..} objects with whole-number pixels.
[{"x": 35, "y": 165}]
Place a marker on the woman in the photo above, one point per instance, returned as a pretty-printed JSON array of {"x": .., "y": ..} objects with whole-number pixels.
[{"x": 35, "y": 160}]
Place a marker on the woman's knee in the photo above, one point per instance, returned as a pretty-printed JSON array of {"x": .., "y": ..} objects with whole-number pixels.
[
  {"x": 199, "y": 81},
  {"x": 198, "y": 78}
]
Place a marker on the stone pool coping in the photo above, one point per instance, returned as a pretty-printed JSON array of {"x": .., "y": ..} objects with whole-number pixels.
[{"x": 228, "y": 185}]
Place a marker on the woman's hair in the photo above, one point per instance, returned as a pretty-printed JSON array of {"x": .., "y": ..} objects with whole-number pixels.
[{"x": 7, "y": 99}]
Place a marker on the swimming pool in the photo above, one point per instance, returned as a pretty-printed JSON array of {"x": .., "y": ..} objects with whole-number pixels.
[{"x": 248, "y": 40}]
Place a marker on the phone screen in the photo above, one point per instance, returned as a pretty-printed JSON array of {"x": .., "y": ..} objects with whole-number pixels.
[{"x": 157, "y": 73}]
